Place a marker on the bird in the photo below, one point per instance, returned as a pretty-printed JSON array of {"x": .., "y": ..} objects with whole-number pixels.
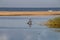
[{"x": 29, "y": 22}]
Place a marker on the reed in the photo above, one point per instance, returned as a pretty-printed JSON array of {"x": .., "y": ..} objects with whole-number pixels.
[{"x": 54, "y": 23}]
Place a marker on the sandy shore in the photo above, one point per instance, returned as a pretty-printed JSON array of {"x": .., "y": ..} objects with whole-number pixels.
[{"x": 28, "y": 13}]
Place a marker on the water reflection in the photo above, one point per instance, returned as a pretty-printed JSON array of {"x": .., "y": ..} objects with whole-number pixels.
[
  {"x": 3, "y": 36},
  {"x": 17, "y": 29}
]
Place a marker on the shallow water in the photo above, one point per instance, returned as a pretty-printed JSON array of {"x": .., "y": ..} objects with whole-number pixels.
[{"x": 16, "y": 28}]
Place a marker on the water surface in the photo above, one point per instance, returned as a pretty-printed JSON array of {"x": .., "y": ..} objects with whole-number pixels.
[{"x": 16, "y": 28}]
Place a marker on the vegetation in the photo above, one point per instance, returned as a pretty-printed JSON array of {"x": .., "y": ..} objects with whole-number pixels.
[{"x": 54, "y": 23}]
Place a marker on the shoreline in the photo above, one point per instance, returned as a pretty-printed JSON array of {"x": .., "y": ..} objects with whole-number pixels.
[{"x": 28, "y": 13}]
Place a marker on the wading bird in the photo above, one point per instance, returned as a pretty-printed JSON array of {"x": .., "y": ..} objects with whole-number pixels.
[{"x": 29, "y": 22}]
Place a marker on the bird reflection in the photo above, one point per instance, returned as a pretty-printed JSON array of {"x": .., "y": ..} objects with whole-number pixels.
[{"x": 29, "y": 22}]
